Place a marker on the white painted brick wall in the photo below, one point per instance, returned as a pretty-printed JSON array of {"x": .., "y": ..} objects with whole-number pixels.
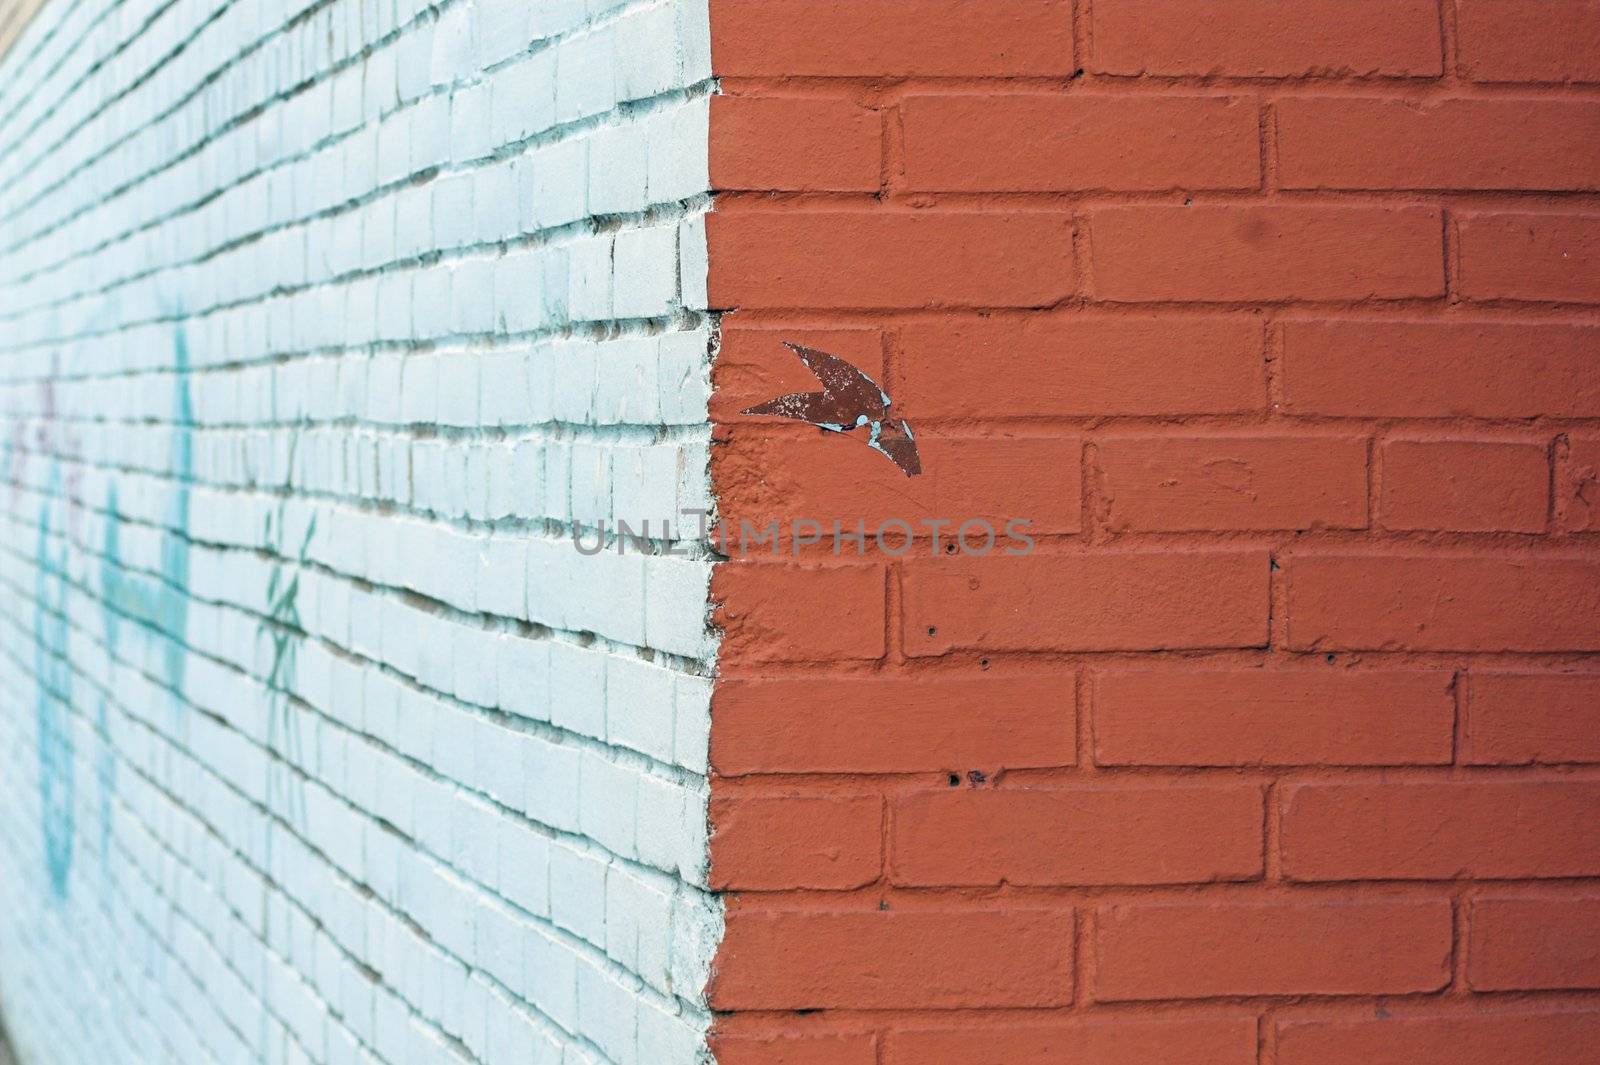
[{"x": 323, "y": 326}]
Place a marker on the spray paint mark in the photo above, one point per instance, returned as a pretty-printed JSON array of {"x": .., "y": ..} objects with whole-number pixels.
[
  {"x": 106, "y": 771},
  {"x": 281, "y": 627},
  {"x": 160, "y": 606},
  {"x": 156, "y": 605},
  {"x": 53, "y": 674},
  {"x": 849, "y": 400},
  {"x": 51, "y": 635}
]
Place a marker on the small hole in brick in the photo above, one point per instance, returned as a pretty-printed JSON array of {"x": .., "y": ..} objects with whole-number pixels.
[
  {"x": 983, "y": 663},
  {"x": 955, "y": 780},
  {"x": 932, "y": 630},
  {"x": 949, "y": 549},
  {"x": 976, "y": 776},
  {"x": 1330, "y": 658}
]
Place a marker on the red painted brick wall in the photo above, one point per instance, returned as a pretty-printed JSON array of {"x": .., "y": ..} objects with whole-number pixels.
[{"x": 1278, "y": 318}]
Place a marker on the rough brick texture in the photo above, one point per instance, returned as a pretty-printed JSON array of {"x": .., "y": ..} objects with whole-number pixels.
[
  {"x": 1278, "y": 319},
  {"x": 326, "y": 326},
  {"x": 323, "y": 327}
]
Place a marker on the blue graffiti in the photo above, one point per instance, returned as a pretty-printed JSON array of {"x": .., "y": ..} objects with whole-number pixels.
[
  {"x": 106, "y": 771},
  {"x": 158, "y": 605},
  {"x": 54, "y": 676},
  {"x": 282, "y": 628}
]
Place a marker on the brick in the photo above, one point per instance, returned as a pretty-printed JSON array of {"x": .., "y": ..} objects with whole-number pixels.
[
  {"x": 644, "y": 272},
  {"x": 677, "y": 151},
  {"x": 1265, "y": 253},
  {"x": 800, "y": 144},
  {"x": 1227, "y": 1039},
  {"x": 838, "y": 479},
  {"x": 1263, "y": 38},
  {"x": 1578, "y": 499},
  {"x": 1273, "y": 717},
  {"x": 1080, "y": 365},
  {"x": 764, "y": 843},
  {"x": 1326, "y": 946},
  {"x": 1546, "y": 257},
  {"x": 1541, "y": 718},
  {"x": 1439, "y": 369},
  {"x": 1047, "y": 142},
  {"x": 891, "y": 38},
  {"x": 1477, "y": 829},
  {"x": 899, "y": 724},
  {"x": 585, "y": 75},
  {"x": 1086, "y": 602},
  {"x": 1534, "y": 943},
  {"x": 1529, "y": 40},
  {"x": 769, "y": 612},
  {"x": 1443, "y": 603},
  {"x": 884, "y": 259},
  {"x": 1465, "y": 485},
  {"x": 1456, "y": 1038},
  {"x": 1077, "y": 836},
  {"x": 893, "y": 959},
  {"x": 795, "y": 1048},
  {"x": 1215, "y": 481},
  {"x": 1350, "y": 143}
]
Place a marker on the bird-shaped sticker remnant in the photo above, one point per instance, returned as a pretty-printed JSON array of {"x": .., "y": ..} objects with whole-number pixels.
[{"x": 849, "y": 400}]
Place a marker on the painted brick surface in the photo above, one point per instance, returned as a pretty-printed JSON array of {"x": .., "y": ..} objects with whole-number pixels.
[
  {"x": 327, "y": 326},
  {"x": 324, "y": 327},
  {"x": 1278, "y": 320}
]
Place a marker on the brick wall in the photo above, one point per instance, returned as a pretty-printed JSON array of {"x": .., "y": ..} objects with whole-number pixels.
[
  {"x": 1278, "y": 320},
  {"x": 322, "y": 327},
  {"x": 326, "y": 327}
]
